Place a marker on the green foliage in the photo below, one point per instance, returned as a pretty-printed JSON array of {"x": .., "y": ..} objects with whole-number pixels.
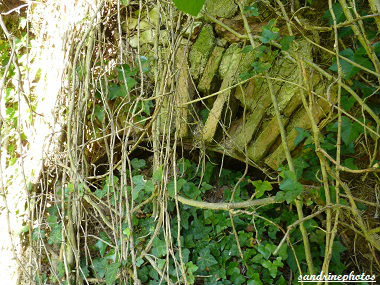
[
  {"x": 261, "y": 187},
  {"x": 348, "y": 69},
  {"x": 265, "y": 54},
  {"x": 191, "y": 7},
  {"x": 252, "y": 10},
  {"x": 290, "y": 187}
]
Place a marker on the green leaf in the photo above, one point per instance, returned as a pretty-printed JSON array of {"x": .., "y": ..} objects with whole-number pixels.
[
  {"x": 261, "y": 187},
  {"x": 149, "y": 186},
  {"x": 255, "y": 282},
  {"x": 157, "y": 175},
  {"x": 252, "y": 10},
  {"x": 159, "y": 248},
  {"x": 348, "y": 69},
  {"x": 111, "y": 273},
  {"x": 138, "y": 163},
  {"x": 338, "y": 12},
  {"x": 191, "y": 7},
  {"x": 283, "y": 252},
  {"x": 259, "y": 67},
  {"x": 190, "y": 269},
  {"x": 115, "y": 91},
  {"x": 290, "y": 185},
  {"x": 266, "y": 250},
  {"x": 301, "y": 135},
  {"x": 347, "y": 102},
  {"x": 247, "y": 48},
  {"x": 100, "y": 193},
  {"x": 38, "y": 233},
  {"x": 286, "y": 42},
  {"x": 84, "y": 268},
  {"x": 139, "y": 184},
  {"x": 350, "y": 130},
  {"x": 144, "y": 64},
  {"x": 99, "y": 112},
  {"x": 267, "y": 36},
  {"x": 100, "y": 244},
  {"x": 127, "y": 232},
  {"x": 55, "y": 236},
  {"x": 100, "y": 266},
  {"x": 237, "y": 278},
  {"x": 281, "y": 281},
  {"x": 205, "y": 259},
  {"x": 350, "y": 163},
  {"x": 139, "y": 261},
  {"x": 171, "y": 189}
]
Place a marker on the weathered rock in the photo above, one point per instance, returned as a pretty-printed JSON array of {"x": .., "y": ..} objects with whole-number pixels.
[
  {"x": 201, "y": 51},
  {"x": 184, "y": 92},
  {"x": 300, "y": 120},
  {"x": 210, "y": 70},
  {"x": 259, "y": 104},
  {"x": 270, "y": 132},
  {"x": 221, "y": 8},
  {"x": 148, "y": 36},
  {"x": 232, "y": 65},
  {"x": 231, "y": 56}
]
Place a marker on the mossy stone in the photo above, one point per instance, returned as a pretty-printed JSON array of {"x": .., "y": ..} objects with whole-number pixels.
[
  {"x": 201, "y": 51},
  {"x": 221, "y": 8}
]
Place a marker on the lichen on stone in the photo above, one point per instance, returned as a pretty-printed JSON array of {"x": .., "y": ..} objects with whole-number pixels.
[
  {"x": 220, "y": 8},
  {"x": 201, "y": 51}
]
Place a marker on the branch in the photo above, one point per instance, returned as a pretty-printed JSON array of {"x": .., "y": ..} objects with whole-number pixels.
[{"x": 226, "y": 206}]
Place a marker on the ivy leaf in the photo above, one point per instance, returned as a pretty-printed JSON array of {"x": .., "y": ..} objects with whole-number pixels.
[
  {"x": 252, "y": 10},
  {"x": 115, "y": 91},
  {"x": 190, "y": 269},
  {"x": 301, "y": 135},
  {"x": 348, "y": 69},
  {"x": 338, "y": 12},
  {"x": 267, "y": 36},
  {"x": 259, "y": 67},
  {"x": 350, "y": 163},
  {"x": 191, "y": 7},
  {"x": 261, "y": 187},
  {"x": 286, "y": 42},
  {"x": 246, "y": 49},
  {"x": 100, "y": 244},
  {"x": 347, "y": 102},
  {"x": 266, "y": 250},
  {"x": 139, "y": 261},
  {"x": 55, "y": 236},
  {"x": 127, "y": 232},
  {"x": 255, "y": 281},
  {"x": 38, "y": 233},
  {"x": 144, "y": 64},
  {"x": 171, "y": 189},
  {"x": 99, "y": 112},
  {"x": 350, "y": 130},
  {"x": 139, "y": 184},
  {"x": 149, "y": 186},
  {"x": 159, "y": 248},
  {"x": 290, "y": 185},
  {"x": 157, "y": 175},
  {"x": 111, "y": 273},
  {"x": 100, "y": 265},
  {"x": 100, "y": 193},
  {"x": 237, "y": 278},
  {"x": 205, "y": 259},
  {"x": 138, "y": 163}
]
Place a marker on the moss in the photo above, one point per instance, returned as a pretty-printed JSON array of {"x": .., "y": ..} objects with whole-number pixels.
[
  {"x": 221, "y": 8},
  {"x": 229, "y": 58},
  {"x": 201, "y": 51}
]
